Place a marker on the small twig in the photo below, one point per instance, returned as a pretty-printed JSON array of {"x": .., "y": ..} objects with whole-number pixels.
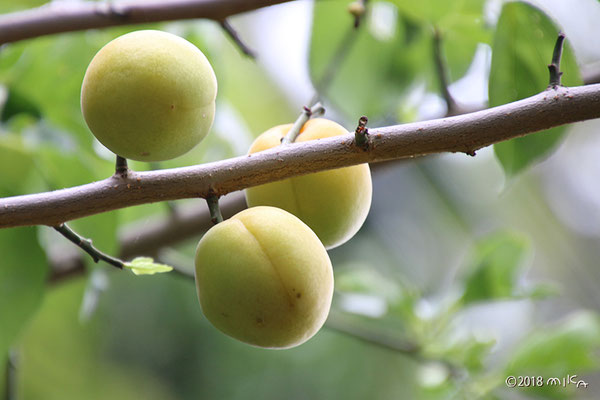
[
  {"x": 121, "y": 167},
  {"x": 361, "y": 135},
  {"x": 232, "y": 33},
  {"x": 306, "y": 114},
  {"x": 86, "y": 245},
  {"x": 442, "y": 73},
  {"x": 331, "y": 69},
  {"x": 554, "y": 67},
  {"x": 335, "y": 323},
  {"x": 403, "y": 346},
  {"x": 10, "y": 384},
  {"x": 215, "y": 210}
]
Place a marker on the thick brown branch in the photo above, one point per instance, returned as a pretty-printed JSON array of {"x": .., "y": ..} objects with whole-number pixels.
[
  {"x": 465, "y": 133},
  {"x": 74, "y": 16}
]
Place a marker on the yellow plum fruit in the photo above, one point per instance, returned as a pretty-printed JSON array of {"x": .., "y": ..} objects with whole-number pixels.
[
  {"x": 264, "y": 278},
  {"x": 334, "y": 203},
  {"x": 149, "y": 95}
]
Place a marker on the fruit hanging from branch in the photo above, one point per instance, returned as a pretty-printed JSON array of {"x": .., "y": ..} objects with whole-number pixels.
[
  {"x": 332, "y": 203},
  {"x": 149, "y": 96},
  {"x": 263, "y": 277}
]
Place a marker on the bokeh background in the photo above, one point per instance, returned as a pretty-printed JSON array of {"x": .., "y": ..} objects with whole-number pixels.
[{"x": 468, "y": 269}]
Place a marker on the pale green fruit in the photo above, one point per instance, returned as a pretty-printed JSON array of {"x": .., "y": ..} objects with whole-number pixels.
[
  {"x": 149, "y": 95},
  {"x": 263, "y": 277},
  {"x": 332, "y": 203}
]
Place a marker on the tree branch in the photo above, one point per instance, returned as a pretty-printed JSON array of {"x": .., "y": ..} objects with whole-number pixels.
[
  {"x": 465, "y": 133},
  {"x": 74, "y": 16},
  {"x": 149, "y": 237}
]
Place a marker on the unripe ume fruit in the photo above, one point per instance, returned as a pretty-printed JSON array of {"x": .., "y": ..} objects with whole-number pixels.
[
  {"x": 334, "y": 203},
  {"x": 149, "y": 95},
  {"x": 263, "y": 277}
]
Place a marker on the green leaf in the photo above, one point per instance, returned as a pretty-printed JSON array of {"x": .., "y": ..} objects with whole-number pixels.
[
  {"x": 438, "y": 11},
  {"x": 16, "y": 103},
  {"x": 522, "y": 49},
  {"x": 460, "y": 23},
  {"x": 23, "y": 271},
  {"x": 147, "y": 266},
  {"x": 495, "y": 268},
  {"x": 569, "y": 348},
  {"x": 16, "y": 164}
]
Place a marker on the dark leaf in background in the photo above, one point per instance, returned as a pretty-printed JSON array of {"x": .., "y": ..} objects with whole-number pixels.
[{"x": 16, "y": 103}]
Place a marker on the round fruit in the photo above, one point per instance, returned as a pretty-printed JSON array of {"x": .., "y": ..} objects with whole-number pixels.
[
  {"x": 149, "y": 95},
  {"x": 263, "y": 277},
  {"x": 332, "y": 203}
]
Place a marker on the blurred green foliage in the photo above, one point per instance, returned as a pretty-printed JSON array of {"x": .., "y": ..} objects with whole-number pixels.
[
  {"x": 523, "y": 41},
  {"x": 476, "y": 315}
]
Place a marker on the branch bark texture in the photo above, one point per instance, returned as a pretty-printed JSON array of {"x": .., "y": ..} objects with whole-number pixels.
[
  {"x": 465, "y": 133},
  {"x": 74, "y": 16}
]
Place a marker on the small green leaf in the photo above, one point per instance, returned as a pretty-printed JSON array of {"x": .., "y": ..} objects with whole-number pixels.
[
  {"x": 495, "y": 268},
  {"x": 522, "y": 49},
  {"x": 146, "y": 266}
]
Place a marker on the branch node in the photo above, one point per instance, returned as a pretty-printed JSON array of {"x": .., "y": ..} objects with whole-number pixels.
[
  {"x": 470, "y": 153},
  {"x": 307, "y": 113},
  {"x": 121, "y": 168},
  {"x": 232, "y": 33},
  {"x": 213, "y": 206},
  {"x": 554, "y": 66},
  {"x": 361, "y": 135}
]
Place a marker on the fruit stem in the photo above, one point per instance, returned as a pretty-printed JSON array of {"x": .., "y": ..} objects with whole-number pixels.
[
  {"x": 361, "y": 135},
  {"x": 121, "y": 167},
  {"x": 554, "y": 67},
  {"x": 306, "y": 114},
  {"x": 86, "y": 245},
  {"x": 215, "y": 210}
]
